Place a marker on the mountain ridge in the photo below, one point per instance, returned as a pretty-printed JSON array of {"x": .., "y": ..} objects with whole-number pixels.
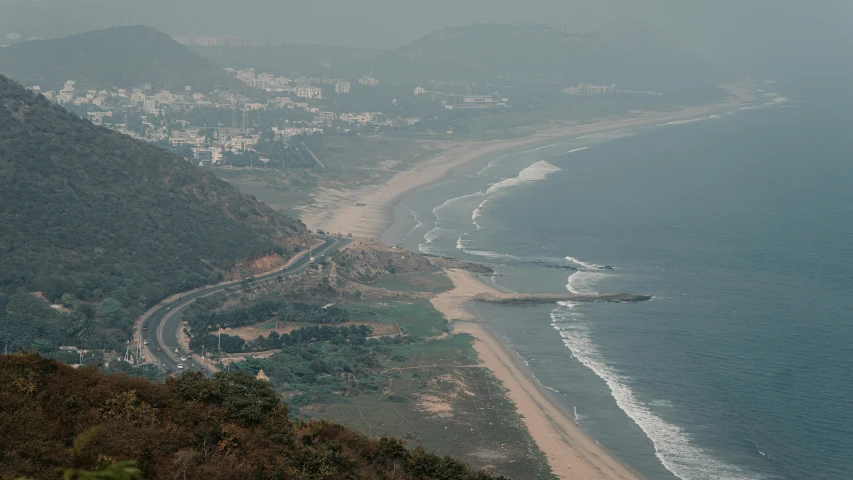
[
  {"x": 95, "y": 214},
  {"x": 121, "y": 57}
]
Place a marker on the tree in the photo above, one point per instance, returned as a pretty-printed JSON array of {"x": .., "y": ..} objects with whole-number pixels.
[{"x": 112, "y": 311}]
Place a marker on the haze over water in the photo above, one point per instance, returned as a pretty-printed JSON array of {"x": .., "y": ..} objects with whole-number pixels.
[{"x": 740, "y": 226}]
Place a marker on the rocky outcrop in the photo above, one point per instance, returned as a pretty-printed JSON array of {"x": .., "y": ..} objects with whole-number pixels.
[{"x": 536, "y": 298}]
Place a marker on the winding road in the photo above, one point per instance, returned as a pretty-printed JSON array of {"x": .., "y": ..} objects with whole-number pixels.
[{"x": 160, "y": 327}]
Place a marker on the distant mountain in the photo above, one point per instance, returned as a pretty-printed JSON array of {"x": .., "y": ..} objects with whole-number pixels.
[
  {"x": 315, "y": 60},
  {"x": 93, "y": 213},
  {"x": 122, "y": 57},
  {"x": 623, "y": 53}
]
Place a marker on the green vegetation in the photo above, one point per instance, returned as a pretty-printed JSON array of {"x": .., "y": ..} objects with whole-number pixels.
[
  {"x": 121, "y": 57},
  {"x": 200, "y": 320},
  {"x": 356, "y": 334},
  {"x": 228, "y": 426},
  {"x": 416, "y": 317},
  {"x": 93, "y": 216}
]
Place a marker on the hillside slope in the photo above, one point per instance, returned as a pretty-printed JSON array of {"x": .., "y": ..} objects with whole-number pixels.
[
  {"x": 627, "y": 54},
  {"x": 122, "y": 57},
  {"x": 316, "y": 60},
  {"x": 88, "y": 211},
  {"x": 228, "y": 427}
]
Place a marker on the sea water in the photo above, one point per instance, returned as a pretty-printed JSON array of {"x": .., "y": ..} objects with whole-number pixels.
[{"x": 740, "y": 225}]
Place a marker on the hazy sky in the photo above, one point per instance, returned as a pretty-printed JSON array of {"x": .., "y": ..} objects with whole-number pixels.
[{"x": 729, "y": 32}]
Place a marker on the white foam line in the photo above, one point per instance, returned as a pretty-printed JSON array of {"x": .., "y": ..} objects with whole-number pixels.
[
  {"x": 692, "y": 120},
  {"x": 537, "y": 171},
  {"x": 583, "y": 282},
  {"x": 576, "y": 150},
  {"x": 673, "y": 446},
  {"x": 491, "y": 162},
  {"x": 583, "y": 264}
]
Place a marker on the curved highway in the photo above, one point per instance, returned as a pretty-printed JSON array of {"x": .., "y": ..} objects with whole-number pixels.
[{"x": 160, "y": 327}]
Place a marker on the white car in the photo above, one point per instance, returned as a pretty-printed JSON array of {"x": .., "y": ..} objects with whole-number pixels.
[
  {"x": 145, "y": 342},
  {"x": 183, "y": 359},
  {"x": 180, "y": 366}
]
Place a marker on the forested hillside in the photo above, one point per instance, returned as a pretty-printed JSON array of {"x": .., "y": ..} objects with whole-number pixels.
[
  {"x": 92, "y": 216},
  {"x": 228, "y": 427},
  {"x": 122, "y": 57}
]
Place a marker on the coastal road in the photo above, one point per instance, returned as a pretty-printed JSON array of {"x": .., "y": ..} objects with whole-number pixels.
[{"x": 160, "y": 327}]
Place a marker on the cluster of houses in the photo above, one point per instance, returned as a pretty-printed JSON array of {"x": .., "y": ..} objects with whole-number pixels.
[{"x": 115, "y": 108}]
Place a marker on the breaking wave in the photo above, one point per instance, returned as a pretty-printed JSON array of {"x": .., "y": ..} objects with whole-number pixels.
[
  {"x": 673, "y": 446},
  {"x": 692, "y": 120}
]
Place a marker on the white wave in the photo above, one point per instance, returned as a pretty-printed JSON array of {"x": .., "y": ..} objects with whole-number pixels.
[
  {"x": 673, "y": 446},
  {"x": 692, "y": 120},
  {"x": 419, "y": 222},
  {"x": 428, "y": 246},
  {"x": 747, "y": 108},
  {"x": 479, "y": 211},
  {"x": 576, "y": 150},
  {"x": 492, "y": 161},
  {"x": 538, "y": 171},
  {"x": 583, "y": 264},
  {"x": 493, "y": 255},
  {"x": 583, "y": 282}
]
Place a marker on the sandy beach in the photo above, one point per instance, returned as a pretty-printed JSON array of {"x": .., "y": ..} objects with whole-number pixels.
[
  {"x": 368, "y": 211},
  {"x": 571, "y": 453}
]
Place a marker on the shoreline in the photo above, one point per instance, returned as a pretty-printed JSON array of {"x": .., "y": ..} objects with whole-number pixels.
[
  {"x": 571, "y": 453},
  {"x": 368, "y": 211}
]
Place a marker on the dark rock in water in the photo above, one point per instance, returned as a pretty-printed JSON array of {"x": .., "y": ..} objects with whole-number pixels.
[
  {"x": 554, "y": 265},
  {"x": 538, "y": 298}
]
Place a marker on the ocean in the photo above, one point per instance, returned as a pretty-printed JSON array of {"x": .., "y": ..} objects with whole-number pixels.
[{"x": 739, "y": 224}]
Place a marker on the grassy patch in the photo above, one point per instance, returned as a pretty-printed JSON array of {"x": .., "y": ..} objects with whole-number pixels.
[
  {"x": 416, "y": 317},
  {"x": 436, "y": 282},
  {"x": 453, "y": 408}
]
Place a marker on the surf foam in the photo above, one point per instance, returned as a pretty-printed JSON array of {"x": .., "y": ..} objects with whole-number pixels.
[
  {"x": 583, "y": 282},
  {"x": 538, "y": 171},
  {"x": 692, "y": 120},
  {"x": 673, "y": 446}
]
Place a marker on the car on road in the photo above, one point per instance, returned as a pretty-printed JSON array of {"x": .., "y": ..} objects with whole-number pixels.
[
  {"x": 159, "y": 349},
  {"x": 180, "y": 366},
  {"x": 145, "y": 342},
  {"x": 183, "y": 359}
]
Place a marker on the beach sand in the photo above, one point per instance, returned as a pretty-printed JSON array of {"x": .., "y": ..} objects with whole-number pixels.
[
  {"x": 366, "y": 212},
  {"x": 571, "y": 453}
]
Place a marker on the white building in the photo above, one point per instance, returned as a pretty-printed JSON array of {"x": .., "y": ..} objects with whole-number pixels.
[
  {"x": 342, "y": 87},
  {"x": 369, "y": 81},
  {"x": 150, "y": 106},
  {"x": 420, "y": 91},
  {"x": 13, "y": 36},
  {"x": 308, "y": 92},
  {"x": 585, "y": 89}
]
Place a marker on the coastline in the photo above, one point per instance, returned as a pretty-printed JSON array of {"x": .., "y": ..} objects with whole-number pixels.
[
  {"x": 571, "y": 453},
  {"x": 368, "y": 211}
]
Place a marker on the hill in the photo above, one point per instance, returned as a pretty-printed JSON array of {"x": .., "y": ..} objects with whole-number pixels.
[
  {"x": 623, "y": 53},
  {"x": 122, "y": 57},
  {"x": 315, "y": 60},
  {"x": 95, "y": 215},
  {"x": 230, "y": 426}
]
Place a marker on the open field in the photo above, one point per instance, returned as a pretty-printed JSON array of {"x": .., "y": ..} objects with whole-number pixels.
[{"x": 439, "y": 396}]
